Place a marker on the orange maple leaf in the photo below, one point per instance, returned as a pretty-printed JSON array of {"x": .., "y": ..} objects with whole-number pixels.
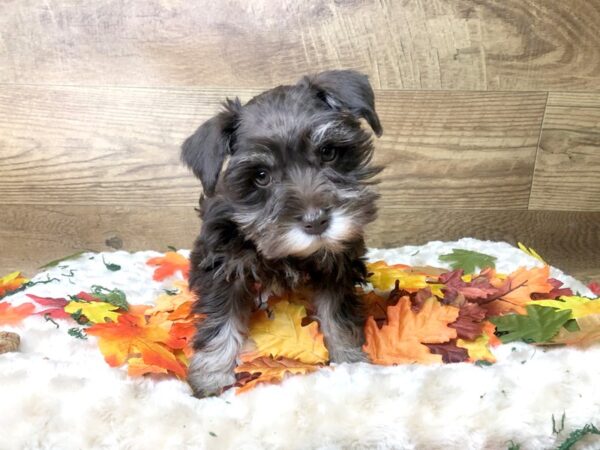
[
  {"x": 270, "y": 370},
  {"x": 132, "y": 336},
  {"x": 11, "y": 315},
  {"x": 401, "y": 340},
  {"x": 181, "y": 335},
  {"x": 136, "y": 367},
  {"x": 169, "y": 265},
  {"x": 519, "y": 286}
]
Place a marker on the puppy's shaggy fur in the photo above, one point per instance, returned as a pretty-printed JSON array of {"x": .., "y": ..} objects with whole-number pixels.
[{"x": 287, "y": 192}]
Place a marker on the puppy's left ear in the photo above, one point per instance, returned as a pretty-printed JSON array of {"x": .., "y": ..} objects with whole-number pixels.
[
  {"x": 347, "y": 89},
  {"x": 204, "y": 151}
]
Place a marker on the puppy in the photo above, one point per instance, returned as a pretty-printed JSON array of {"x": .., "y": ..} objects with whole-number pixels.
[{"x": 287, "y": 181}]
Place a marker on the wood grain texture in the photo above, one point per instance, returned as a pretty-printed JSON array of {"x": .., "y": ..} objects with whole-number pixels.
[
  {"x": 31, "y": 236},
  {"x": 567, "y": 170},
  {"x": 120, "y": 146},
  {"x": 429, "y": 44}
]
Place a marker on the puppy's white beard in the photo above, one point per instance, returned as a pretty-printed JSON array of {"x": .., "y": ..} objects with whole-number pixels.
[
  {"x": 297, "y": 243},
  {"x": 341, "y": 228}
]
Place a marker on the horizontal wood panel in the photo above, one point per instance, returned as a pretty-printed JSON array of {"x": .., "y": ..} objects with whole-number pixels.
[
  {"x": 567, "y": 171},
  {"x": 120, "y": 146},
  {"x": 431, "y": 44},
  {"x": 33, "y": 235}
]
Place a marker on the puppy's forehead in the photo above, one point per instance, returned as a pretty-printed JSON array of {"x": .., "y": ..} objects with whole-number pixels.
[{"x": 285, "y": 113}]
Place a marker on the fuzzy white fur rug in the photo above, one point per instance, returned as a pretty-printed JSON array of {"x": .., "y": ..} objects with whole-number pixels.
[{"x": 58, "y": 393}]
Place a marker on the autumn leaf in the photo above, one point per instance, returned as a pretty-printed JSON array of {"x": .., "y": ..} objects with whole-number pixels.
[
  {"x": 136, "y": 367},
  {"x": 284, "y": 336},
  {"x": 531, "y": 252},
  {"x": 587, "y": 334},
  {"x": 401, "y": 340},
  {"x": 130, "y": 337},
  {"x": 468, "y": 260},
  {"x": 375, "y": 306},
  {"x": 270, "y": 370},
  {"x": 385, "y": 277},
  {"x": 469, "y": 323},
  {"x": 579, "y": 306},
  {"x": 95, "y": 312},
  {"x": 539, "y": 325},
  {"x": 478, "y": 348},
  {"x": 453, "y": 284},
  {"x": 183, "y": 311},
  {"x": 557, "y": 291},
  {"x": 171, "y": 302},
  {"x": 169, "y": 265},
  {"x": 56, "y": 306},
  {"x": 518, "y": 288},
  {"x": 449, "y": 351},
  {"x": 114, "y": 296},
  {"x": 12, "y": 315},
  {"x": 11, "y": 282},
  {"x": 181, "y": 335}
]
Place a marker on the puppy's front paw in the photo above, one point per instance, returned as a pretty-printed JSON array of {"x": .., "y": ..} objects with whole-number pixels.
[
  {"x": 347, "y": 355},
  {"x": 206, "y": 382}
]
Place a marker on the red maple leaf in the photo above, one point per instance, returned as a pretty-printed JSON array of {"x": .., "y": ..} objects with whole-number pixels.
[
  {"x": 57, "y": 306},
  {"x": 479, "y": 288},
  {"x": 557, "y": 291},
  {"x": 594, "y": 287},
  {"x": 469, "y": 324},
  {"x": 450, "y": 352}
]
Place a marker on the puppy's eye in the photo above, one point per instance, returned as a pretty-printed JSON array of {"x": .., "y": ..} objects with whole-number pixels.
[
  {"x": 262, "y": 177},
  {"x": 328, "y": 154}
]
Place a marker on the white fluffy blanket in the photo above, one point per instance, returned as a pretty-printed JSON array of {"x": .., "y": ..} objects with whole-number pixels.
[{"x": 58, "y": 393}]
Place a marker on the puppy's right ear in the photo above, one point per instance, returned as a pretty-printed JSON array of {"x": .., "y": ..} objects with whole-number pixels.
[{"x": 204, "y": 151}]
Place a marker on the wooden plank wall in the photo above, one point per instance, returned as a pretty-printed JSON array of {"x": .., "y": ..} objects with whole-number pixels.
[{"x": 491, "y": 113}]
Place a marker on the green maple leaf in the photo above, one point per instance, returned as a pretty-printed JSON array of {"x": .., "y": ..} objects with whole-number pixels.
[
  {"x": 468, "y": 260},
  {"x": 539, "y": 325},
  {"x": 115, "y": 296}
]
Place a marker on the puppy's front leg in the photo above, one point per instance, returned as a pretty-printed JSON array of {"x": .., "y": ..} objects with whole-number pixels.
[
  {"x": 218, "y": 338},
  {"x": 341, "y": 319}
]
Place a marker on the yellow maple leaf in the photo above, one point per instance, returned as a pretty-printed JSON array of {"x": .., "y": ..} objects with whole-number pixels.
[
  {"x": 95, "y": 312},
  {"x": 531, "y": 252},
  {"x": 384, "y": 277},
  {"x": 579, "y": 306},
  {"x": 284, "y": 336},
  {"x": 11, "y": 282},
  {"x": 479, "y": 348},
  {"x": 401, "y": 340},
  {"x": 271, "y": 370}
]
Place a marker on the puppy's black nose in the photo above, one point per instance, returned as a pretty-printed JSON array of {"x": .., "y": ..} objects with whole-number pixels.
[{"x": 315, "y": 221}]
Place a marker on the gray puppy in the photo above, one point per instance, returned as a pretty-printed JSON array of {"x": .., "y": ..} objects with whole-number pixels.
[{"x": 287, "y": 193}]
